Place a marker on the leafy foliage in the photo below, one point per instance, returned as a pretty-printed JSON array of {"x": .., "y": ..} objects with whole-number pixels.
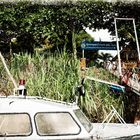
[{"x": 57, "y": 23}]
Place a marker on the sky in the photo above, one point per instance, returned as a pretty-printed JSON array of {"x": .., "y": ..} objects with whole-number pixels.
[{"x": 102, "y": 35}]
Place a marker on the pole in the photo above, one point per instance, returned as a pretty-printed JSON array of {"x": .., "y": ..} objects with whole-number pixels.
[
  {"x": 83, "y": 53},
  {"x": 138, "y": 49},
  {"x": 7, "y": 70},
  {"x": 118, "y": 49}
]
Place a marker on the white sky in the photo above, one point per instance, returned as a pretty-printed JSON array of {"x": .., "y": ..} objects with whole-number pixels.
[{"x": 102, "y": 35}]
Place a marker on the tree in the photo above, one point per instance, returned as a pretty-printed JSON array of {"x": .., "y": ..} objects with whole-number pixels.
[
  {"x": 61, "y": 23},
  {"x": 53, "y": 22},
  {"x": 105, "y": 58}
]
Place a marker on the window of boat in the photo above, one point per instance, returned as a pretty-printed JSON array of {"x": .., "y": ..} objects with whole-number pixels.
[
  {"x": 56, "y": 123},
  {"x": 15, "y": 125},
  {"x": 83, "y": 119}
]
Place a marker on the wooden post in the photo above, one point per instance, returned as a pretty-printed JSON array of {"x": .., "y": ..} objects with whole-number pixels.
[{"x": 83, "y": 63}]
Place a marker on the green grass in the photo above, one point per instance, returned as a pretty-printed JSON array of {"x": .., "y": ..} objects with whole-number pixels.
[{"x": 56, "y": 76}]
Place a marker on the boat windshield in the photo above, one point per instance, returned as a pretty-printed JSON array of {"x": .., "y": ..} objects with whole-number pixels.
[{"x": 83, "y": 119}]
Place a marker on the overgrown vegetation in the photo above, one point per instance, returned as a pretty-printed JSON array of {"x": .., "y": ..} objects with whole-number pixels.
[
  {"x": 52, "y": 77},
  {"x": 56, "y": 76}
]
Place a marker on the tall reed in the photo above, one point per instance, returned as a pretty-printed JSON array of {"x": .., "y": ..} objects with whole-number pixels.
[{"x": 53, "y": 76}]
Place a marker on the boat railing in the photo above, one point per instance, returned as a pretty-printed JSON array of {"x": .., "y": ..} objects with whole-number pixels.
[{"x": 109, "y": 117}]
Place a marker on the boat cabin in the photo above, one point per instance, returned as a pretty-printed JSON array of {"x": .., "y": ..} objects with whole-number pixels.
[{"x": 26, "y": 117}]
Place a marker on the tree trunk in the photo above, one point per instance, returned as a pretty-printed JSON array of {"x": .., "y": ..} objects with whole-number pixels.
[{"x": 74, "y": 44}]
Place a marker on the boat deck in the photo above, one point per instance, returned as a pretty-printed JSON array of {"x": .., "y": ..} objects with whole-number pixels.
[{"x": 111, "y": 131}]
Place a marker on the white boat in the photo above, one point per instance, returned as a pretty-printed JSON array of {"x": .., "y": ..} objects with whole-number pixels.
[{"x": 35, "y": 118}]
